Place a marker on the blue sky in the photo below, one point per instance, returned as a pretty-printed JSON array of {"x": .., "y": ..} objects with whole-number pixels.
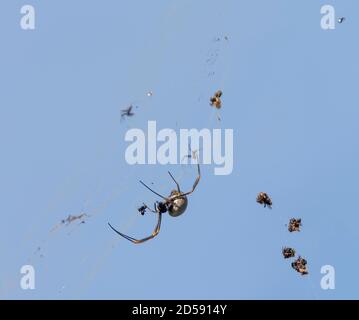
[{"x": 289, "y": 93}]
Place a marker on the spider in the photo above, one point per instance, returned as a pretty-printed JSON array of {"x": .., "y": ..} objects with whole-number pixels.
[
  {"x": 288, "y": 252},
  {"x": 294, "y": 225},
  {"x": 175, "y": 204},
  {"x": 216, "y": 99},
  {"x": 127, "y": 112},
  {"x": 300, "y": 265},
  {"x": 264, "y": 199}
]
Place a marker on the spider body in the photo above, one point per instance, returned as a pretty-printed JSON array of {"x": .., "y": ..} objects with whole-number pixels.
[
  {"x": 178, "y": 204},
  {"x": 175, "y": 204},
  {"x": 161, "y": 207}
]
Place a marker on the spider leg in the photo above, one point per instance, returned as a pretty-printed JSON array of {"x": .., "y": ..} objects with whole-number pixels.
[
  {"x": 164, "y": 198},
  {"x": 178, "y": 187},
  {"x": 195, "y": 183},
  {"x": 147, "y": 207},
  {"x": 136, "y": 241}
]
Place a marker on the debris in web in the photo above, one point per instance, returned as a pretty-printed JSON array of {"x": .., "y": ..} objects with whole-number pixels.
[
  {"x": 127, "y": 112},
  {"x": 300, "y": 265},
  {"x": 294, "y": 225},
  {"x": 264, "y": 199},
  {"x": 215, "y": 100},
  {"x": 288, "y": 252},
  {"x": 81, "y": 218}
]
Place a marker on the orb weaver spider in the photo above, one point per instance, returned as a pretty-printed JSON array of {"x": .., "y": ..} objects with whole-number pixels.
[{"x": 175, "y": 204}]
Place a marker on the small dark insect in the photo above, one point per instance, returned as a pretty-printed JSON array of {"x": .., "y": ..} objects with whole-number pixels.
[
  {"x": 341, "y": 19},
  {"x": 294, "y": 225},
  {"x": 264, "y": 199},
  {"x": 142, "y": 209},
  {"x": 175, "y": 204},
  {"x": 300, "y": 265},
  {"x": 216, "y": 99},
  {"x": 288, "y": 252},
  {"x": 127, "y": 112}
]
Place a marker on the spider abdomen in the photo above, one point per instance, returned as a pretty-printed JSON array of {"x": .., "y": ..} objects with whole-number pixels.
[{"x": 178, "y": 206}]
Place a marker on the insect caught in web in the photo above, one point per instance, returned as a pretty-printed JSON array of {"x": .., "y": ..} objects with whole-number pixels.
[
  {"x": 215, "y": 100},
  {"x": 294, "y": 225},
  {"x": 288, "y": 252},
  {"x": 300, "y": 265},
  {"x": 264, "y": 199}
]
